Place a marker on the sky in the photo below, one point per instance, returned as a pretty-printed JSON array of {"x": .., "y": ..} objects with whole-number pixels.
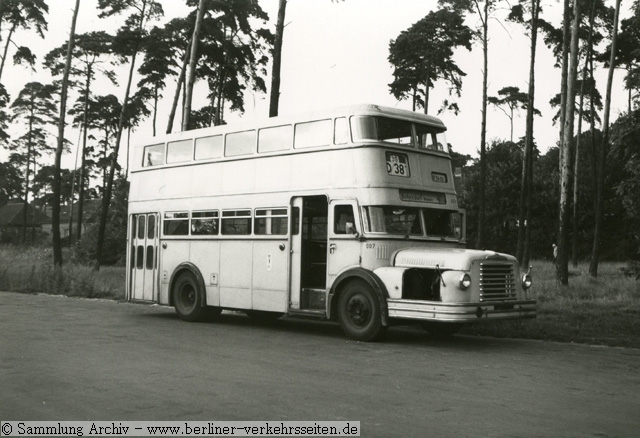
[{"x": 335, "y": 54}]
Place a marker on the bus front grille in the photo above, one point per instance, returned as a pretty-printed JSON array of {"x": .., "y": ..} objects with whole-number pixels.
[{"x": 497, "y": 282}]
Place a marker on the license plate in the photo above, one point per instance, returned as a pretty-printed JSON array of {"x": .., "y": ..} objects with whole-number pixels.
[{"x": 398, "y": 165}]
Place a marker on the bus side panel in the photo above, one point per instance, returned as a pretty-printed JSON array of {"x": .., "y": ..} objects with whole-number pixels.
[
  {"x": 270, "y": 275},
  {"x": 205, "y": 254},
  {"x": 236, "y": 273}
]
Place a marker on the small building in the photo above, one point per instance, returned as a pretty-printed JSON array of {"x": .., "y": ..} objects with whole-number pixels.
[{"x": 12, "y": 224}]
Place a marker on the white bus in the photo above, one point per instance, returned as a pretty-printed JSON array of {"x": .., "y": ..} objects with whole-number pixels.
[{"x": 348, "y": 215}]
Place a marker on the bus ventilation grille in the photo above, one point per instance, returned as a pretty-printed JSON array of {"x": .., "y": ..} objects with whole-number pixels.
[{"x": 497, "y": 282}]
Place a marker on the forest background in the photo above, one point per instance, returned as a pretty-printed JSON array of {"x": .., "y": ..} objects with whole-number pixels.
[{"x": 334, "y": 53}]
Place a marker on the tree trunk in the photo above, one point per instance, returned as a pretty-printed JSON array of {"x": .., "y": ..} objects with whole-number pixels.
[
  {"x": 274, "y": 100},
  {"x": 565, "y": 65},
  {"x": 57, "y": 243},
  {"x": 176, "y": 96},
  {"x": 526, "y": 183},
  {"x": 6, "y": 49},
  {"x": 595, "y": 252},
  {"x": 193, "y": 59},
  {"x": 480, "y": 244},
  {"x": 576, "y": 166},
  {"x": 26, "y": 182},
  {"x": 155, "y": 112},
  {"x": 562, "y": 261},
  {"x": 106, "y": 198},
  {"x": 85, "y": 122}
]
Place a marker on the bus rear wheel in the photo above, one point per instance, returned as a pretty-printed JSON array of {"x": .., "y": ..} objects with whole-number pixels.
[
  {"x": 188, "y": 299},
  {"x": 359, "y": 312}
]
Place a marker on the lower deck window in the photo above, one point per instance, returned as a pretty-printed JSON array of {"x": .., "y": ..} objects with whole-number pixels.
[
  {"x": 236, "y": 222},
  {"x": 204, "y": 223},
  {"x": 271, "y": 221},
  {"x": 176, "y": 224}
]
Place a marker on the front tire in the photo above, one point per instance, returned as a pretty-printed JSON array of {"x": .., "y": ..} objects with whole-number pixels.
[
  {"x": 359, "y": 312},
  {"x": 188, "y": 298}
]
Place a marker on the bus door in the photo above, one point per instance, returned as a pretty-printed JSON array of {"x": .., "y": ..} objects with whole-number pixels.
[
  {"x": 344, "y": 232},
  {"x": 308, "y": 253},
  {"x": 144, "y": 257}
]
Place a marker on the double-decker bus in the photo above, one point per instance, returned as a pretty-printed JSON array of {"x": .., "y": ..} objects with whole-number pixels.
[{"x": 348, "y": 215}]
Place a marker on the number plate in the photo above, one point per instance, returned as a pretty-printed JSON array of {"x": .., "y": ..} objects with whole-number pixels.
[{"x": 398, "y": 164}]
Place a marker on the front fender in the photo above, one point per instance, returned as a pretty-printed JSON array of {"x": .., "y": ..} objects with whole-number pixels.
[{"x": 371, "y": 279}]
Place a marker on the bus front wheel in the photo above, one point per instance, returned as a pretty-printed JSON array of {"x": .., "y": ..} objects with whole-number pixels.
[
  {"x": 188, "y": 299},
  {"x": 359, "y": 312}
]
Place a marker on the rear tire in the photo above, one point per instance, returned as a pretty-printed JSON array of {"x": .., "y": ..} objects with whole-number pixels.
[
  {"x": 188, "y": 299},
  {"x": 359, "y": 312}
]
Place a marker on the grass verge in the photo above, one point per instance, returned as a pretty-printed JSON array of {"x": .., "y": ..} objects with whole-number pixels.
[
  {"x": 31, "y": 270},
  {"x": 600, "y": 311}
]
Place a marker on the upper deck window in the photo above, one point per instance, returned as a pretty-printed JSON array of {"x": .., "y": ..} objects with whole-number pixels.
[
  {"x": 341, "y": 132},
  {"x": 382, "y": 129},
  {"x": 402, "y": 132},
  {"x": 208, "y": 147},
  {"x": 274, "y": 139},
  {"x": 240, "y": 143},
  {"x": 179, "y": 151},
  {"x": 429, "y": 139},
  {"x": 153, "y": 155},
  {"x": 313, "y": 134}
]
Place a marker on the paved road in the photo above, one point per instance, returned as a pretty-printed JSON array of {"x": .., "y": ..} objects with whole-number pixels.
[{"x": 74, "y": 359}]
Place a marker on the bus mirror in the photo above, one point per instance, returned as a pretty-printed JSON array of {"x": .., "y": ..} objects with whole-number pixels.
[{"x": 349, "y": 228}]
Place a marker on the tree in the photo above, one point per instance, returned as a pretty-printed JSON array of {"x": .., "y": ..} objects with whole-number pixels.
[
  {"x": 234, "y": 54},
  {"x": 193, "y": 60},
  {"x": 423, "y": 54},
  {"x": 42, "y": 186},
  {"x": 628, "y": 55},
  {"x": 159, "y": 63},
  {"x": 57, "y": 243},
  {"x": 21, "y": 14},
  {"x": 274, "y": 99},
  {"x": 34, "y": 108},
  {"x": 10, "y": 181},
  {"x": 90, "y": 51},
  {"x": 128, "y": 43},
  {"x": 595, "y": 253},
  {"x": 526, "y": 185},
  {"x": 4, "y": 117},
  {"x": 513, "y": 99},
  {"x": 566, "y": 151}
]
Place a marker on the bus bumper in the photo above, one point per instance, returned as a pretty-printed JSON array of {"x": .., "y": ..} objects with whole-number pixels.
[{"x": 461, "y": 312}]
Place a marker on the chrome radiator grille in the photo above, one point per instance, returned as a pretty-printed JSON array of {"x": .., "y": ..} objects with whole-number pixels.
[{"x": 497, "y": 282}]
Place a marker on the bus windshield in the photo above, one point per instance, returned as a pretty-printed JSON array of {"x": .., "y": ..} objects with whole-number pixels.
[
  {"x": 396, "y": 131},
  {"x": 412, "y": 221}
]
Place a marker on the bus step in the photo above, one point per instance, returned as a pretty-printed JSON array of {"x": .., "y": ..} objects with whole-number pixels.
[
  {"x": 313, "y": 299},
  {"x": 298, "y": 313}
]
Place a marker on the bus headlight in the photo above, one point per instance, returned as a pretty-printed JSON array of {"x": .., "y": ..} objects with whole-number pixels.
[
  {"x": 465, "y": 281},
  {"x": 527, "y": 281}
]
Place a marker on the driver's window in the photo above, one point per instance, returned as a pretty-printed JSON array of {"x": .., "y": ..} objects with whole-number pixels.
[{"x": 344, "y": 220}]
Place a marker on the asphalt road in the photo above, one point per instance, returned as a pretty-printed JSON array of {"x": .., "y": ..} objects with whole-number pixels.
[{"x": 74, "y": 359}]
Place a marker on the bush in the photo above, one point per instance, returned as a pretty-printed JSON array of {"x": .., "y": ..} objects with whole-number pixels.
[
  {"x": 114, "y": 246},
  {"x": 632, "y": 269}
]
